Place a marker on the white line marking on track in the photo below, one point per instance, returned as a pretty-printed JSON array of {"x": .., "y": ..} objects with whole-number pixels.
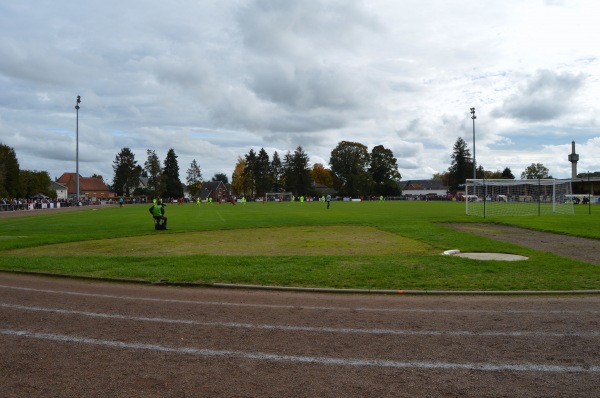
[
  {"x": 280, "y": 306},
  {"x": 458, "y": 333},
  {"x": 490, "y": 367}
]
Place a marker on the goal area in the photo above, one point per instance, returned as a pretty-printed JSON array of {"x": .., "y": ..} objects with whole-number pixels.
[
  {"x": 279, "y": 196},
  {"x": 518, "y": 197}
]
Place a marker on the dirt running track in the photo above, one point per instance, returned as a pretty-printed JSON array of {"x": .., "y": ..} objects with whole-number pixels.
[{"x": 69, "y": 338}]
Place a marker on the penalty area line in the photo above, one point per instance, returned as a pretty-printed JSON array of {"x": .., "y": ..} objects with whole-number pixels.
[{"x": 490, "y": 367}]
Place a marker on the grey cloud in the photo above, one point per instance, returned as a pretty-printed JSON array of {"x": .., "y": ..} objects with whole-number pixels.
[
  {"x": 546, "y": 97},
  {"x": 303, "y": 27},
  {"x": 303, "y": 88}
]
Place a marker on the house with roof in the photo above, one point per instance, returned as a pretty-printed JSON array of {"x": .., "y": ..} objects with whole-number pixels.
[
  {"x": 60, "y": 189},
  {"x": 214, "y": 190},
  {"x": 92, "y": 188},
  {"x": 424, "y": 188}
]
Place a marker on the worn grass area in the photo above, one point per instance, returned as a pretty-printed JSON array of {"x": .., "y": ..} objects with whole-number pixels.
[{"x": 288, "y": 241}]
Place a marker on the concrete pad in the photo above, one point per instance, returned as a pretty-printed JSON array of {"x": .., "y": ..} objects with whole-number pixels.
[{"x": 492, "y": 256}]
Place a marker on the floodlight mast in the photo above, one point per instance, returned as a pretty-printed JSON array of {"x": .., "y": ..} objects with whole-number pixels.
[
  {"x": 77, "y": 145},
  {"x": 474, "y": 165}
]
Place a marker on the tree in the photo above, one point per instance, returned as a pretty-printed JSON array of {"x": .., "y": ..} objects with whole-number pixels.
[
  {"x": 442, "y": 177},
  {"x": 461, "y": 165},
  {"x": 297, "y": 172},
  {"x": 321, "y": 175},
  {"x": 155, "y": 175},
  {"x": 9, "y": 172},
  {"x": 221, "y": 177},
  {"x": 34, "y": 182},
  {"x": 249, "y": 172},
  {"x": 127, "y": 172},
  {"x": 349, "y": 162},
  {"x": 238, "y": 180},
  {"x": 507, "y": 174},
  {"x": 384, "y": 171},
  {"x": 262, "y": 173},
  {"x": 194, "y": 178},
  {"x": 277, "y": 172},
  {"x": 535, "y": 171},
  {"x": 588, "y": 175},
  {"x": 173, "y": 188}
]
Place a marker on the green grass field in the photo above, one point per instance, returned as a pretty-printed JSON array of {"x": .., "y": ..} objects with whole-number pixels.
[{"x": 369, "y": 245}]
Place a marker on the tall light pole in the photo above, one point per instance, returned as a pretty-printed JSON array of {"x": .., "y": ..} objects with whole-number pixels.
[
  {"x": 77, "y": 146},
  {"x": 474, "y": 166}
]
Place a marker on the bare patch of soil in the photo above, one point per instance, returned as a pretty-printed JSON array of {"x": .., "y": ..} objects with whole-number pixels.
[
  {"x": 582, "y": 249},
  {"x": 297, "y": 241}
]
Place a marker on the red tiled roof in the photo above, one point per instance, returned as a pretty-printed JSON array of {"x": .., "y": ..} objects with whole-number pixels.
[{"x": 85, "y": 183}]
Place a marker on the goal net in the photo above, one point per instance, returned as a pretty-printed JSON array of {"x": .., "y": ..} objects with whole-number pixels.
[
  {"x": 518, "y": 197},
  {"x": 279, "y": 196}
]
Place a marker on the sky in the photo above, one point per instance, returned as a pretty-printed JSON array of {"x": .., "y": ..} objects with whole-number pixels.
[{"x": 213, "y": 79}]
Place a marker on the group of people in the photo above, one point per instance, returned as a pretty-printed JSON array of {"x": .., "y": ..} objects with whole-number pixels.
[{"x": 32, "y": 204}]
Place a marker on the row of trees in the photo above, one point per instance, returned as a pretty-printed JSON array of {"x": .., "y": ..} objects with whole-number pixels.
[
  {"x": 461, "y": 169},
  {"x": 354, "y": 172},
  {"x": 162, "y": 181},
  {"x": 17, "y": 183}
]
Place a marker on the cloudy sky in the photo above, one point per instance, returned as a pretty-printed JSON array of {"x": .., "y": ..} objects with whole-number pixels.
[{"x": 214, "y": 78}]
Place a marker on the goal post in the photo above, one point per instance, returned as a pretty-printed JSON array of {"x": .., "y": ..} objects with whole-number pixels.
[
  {"x": 518, "y": 197},
  {"x": 278, "y": 196}
]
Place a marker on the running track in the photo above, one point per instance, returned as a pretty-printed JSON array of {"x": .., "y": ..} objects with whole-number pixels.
[{"x": 69, "y": 338}]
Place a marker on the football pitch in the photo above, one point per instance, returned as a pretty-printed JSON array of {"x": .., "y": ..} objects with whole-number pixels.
[{"x": 353, "y": 245}]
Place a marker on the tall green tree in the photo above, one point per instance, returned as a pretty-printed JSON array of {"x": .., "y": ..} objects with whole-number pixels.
[
  {"x": 277, "y": 172},
  {"x": 384, "y": 171},
  {"x": 250, "y": 172},
  {"x": 507, "y": 174},
  {"x": 349, "y": 162},
  {"x": 155, "y": 175},
  {"x": 194, "y": 178},
  {"x": 173, "y": 187},
  {"x": 461, "y": 167},
  {"x": 262, "y": 173},
  {"x": 9, "y": 172},
  {"x": 297, "y": 173},
  {"x": 535, "y": 171},
  {"x": 127, "y": 173}
]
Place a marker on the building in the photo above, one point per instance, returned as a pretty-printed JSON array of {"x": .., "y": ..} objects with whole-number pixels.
[
  {"x": 424, "y": 187},
  {"x": 60, "y": 189},
  {"x": 91, "y": 188},
  {"x": 214, "y": 190}
]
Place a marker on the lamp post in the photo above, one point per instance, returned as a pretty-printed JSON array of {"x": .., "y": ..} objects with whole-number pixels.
[
  {"x": 474, "y": 166},
  {"x": 77, "y": 146}
]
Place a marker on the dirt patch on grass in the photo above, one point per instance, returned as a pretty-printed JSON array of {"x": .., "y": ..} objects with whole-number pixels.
[
  {"x": 293, "y": 241},
  {"x": 582, "y": 249}
]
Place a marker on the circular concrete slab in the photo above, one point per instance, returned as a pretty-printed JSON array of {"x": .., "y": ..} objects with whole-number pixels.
[{"x": 493, "y": 256}]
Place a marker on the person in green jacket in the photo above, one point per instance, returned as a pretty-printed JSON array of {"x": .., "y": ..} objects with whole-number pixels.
[{"x": 158, "y": 213}]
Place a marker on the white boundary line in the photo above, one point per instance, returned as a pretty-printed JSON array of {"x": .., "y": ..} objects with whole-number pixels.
[
  {"x": 402, "y": 332},
  {"x": 490, "y": 367}
]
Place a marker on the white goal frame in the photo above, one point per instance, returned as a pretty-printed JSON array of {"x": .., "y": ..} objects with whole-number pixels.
[
  {"x": 504, "y": 197},
  {"x": 278, "y": 196}
]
